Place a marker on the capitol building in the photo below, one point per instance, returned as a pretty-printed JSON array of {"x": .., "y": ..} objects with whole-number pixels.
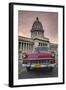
[{"x": 26, "y": 44}]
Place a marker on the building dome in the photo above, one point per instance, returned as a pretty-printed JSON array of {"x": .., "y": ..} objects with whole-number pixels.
[
  {"x": 37, "y": 26},
  {"x": 37, "y": 29}
]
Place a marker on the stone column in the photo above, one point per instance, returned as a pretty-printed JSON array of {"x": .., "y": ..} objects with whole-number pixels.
[
  {"x": 26, "y": 47},
  {"x": 23, "y": 46},
  {"x": 29, "y": 47},
  {"x": 20, "y": 51},
  {"x": 20, "y": 46}
]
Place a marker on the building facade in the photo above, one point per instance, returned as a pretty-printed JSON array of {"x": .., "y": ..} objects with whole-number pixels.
[{"x": 37, "y": 39}]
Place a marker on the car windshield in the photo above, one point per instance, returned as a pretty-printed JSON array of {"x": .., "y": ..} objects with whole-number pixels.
[{"x": 41, "y": 49}]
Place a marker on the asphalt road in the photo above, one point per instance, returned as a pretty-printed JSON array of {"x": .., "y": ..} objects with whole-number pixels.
[{"x": 42, "y": 73}]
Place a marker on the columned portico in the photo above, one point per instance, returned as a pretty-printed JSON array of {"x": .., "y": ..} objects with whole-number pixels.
[{"x": 25, "y": 46}]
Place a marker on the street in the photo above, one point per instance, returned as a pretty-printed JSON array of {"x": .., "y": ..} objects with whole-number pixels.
[{"x": 41, "y": 73}]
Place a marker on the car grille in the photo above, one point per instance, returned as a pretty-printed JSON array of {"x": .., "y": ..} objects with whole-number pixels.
[{"x": 38, "y": 61}]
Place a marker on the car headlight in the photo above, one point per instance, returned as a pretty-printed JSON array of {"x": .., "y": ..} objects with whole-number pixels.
[
  {"x": 53, "y": 55},
  {"x": 24, "y": 55}
]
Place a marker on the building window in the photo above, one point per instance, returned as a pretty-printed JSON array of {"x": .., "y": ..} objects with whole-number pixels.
[{"x": 39, "y": 44}]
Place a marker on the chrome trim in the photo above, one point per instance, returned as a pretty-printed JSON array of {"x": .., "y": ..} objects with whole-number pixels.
[
  {"x": 39, "y": 59},
  {"x": 42, "y": 65}
]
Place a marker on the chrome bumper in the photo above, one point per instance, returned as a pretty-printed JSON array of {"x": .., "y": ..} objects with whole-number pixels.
[{"x": 41, "y": 65}]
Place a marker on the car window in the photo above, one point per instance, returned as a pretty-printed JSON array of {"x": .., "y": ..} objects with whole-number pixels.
[{"x": 41, "y": 49}]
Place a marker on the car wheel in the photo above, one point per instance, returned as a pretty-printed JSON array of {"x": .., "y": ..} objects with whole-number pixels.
[
  {"x": 51, "y": 69},
  {"x": 28, "y": 68}
]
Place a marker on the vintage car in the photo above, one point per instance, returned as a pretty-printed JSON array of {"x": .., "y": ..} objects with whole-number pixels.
[{"x": 41, "y": 57}]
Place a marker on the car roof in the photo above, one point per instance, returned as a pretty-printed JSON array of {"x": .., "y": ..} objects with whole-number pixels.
[{"x": 41, "y": 46}]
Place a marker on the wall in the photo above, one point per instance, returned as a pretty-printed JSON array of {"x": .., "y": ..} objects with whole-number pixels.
[{"x": 4, "y": 45}]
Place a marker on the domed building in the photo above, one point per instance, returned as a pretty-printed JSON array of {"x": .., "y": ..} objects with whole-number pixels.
[
  {"x": 37, "y": 34},
  {"x": 37, "y": 29},
  {"x": 37, "y": 39}
]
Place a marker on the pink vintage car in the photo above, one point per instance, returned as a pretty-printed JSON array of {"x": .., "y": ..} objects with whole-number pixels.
[{"x": 41, "y": 57}]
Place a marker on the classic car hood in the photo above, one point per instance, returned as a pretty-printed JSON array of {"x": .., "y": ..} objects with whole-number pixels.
[{"x": 45, "y": 54}]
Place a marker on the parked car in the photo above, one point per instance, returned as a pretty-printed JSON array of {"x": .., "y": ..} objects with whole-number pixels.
[{"x": 41, "y": 57}]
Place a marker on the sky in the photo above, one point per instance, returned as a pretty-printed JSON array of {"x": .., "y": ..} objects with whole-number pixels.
[{"x": 49, "y": 22}]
